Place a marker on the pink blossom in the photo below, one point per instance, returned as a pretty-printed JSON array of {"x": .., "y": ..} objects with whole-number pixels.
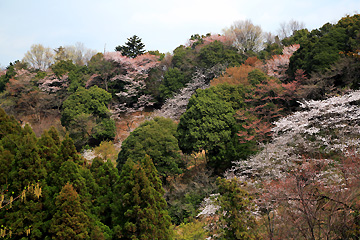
[
  {"x": 278, "y": 64},
  {"x": 51, "y": 83},
  {"x": 209, "y": 39},
  {"x": 136, "y": 72}
]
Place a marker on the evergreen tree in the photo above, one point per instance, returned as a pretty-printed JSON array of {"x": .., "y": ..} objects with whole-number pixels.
[
  {"x": 26, "y": 217},
  {"x": 4, "y": 79},
  {"x": 64, "y": 168},
  {"x": 6, "y": 160},
  {"x": 48, "y": 150},
  {"x": 70, "y": 220},
  {"x": 87, "y": 118},
  {"x": 54, "y": 134},
  {"x": 139, "y": 212},
  {"x": 81, "y": 181},
  {"x": 28, "y": 167},
  {"x": 68, "y": 152},
  {"x": 156, "y": 139},
  {"x": 320, "y": 48},
  {"x": 174, "y": 80},
  {"x": 70, "y": 172},
  {"x": 209, "y": 124},
  {"x": 106, "y": 176},
  {"x": 132, "y": 48},
  {"x": 8, "y": 125}
]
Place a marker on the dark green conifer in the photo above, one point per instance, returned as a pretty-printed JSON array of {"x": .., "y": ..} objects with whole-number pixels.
[
  {"x": 28, "y": 167},
  {"x": 6, "y": 160},
  {"x": 70, "y": 220},
  {"x": 140, "y": 212},
  {"x": 106, "y": 176},
  {"x": 8, "y": 125},
  {"x": 54, "y": 134},
  {"x": 26, "y": 216},
  {"x": 68, "y": 152},
  {"x": 48, "y": 150},
  {"x": 132, "y": 48}
]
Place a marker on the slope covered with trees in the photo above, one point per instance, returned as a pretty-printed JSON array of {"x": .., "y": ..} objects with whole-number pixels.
[{"x": 129, "y": 144}]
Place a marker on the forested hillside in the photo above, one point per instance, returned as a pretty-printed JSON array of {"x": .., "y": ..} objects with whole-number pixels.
[{"x": 239, "y": 135}]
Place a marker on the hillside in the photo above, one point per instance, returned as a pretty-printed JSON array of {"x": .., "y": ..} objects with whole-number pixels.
[{"x": 227, "y": 137}]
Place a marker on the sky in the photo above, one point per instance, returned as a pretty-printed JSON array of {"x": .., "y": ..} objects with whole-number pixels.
[{"x": 161, "y": 24}]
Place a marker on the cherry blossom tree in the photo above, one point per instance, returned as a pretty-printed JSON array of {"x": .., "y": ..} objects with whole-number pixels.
[
  {"x": 315, "y": 200},
  {"x": 52, "y": 83},
  {"x": 323, "y": 127},
  {"x": 174, "y": 107},
  {"x": 306, "y": 178},
  {"x": 132, "y": 97},
  {"x": 205, "y": 40},
  {"x": 278, "y": 64}
]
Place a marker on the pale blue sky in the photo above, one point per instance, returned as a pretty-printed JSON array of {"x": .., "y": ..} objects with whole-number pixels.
[{"x": 162, "y": 24}]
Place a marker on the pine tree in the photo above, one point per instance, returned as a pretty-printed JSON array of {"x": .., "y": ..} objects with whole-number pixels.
[
  {"x": 8, "y": 125},
  {"x": 26, "y": 215},
  {"x": 48, "y": 150},
  {"x": 132, "y": 48},
  {"x": 70, "y": 220},
  {"x": 68, "y": 152},
  {"x": 106, "y": 176},
  {"x": 140, "y": 210},
  {"x": 28, "y": 167},
  {"x": 6, "y": 159}
]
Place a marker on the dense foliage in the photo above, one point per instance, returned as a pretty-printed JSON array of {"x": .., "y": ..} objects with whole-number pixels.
[
  {"x": 274, "y": 118},
  {"x": 86, "y": 116},
  {"x": 156, "y": 139}
]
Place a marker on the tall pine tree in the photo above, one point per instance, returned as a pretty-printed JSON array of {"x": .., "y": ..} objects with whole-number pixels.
[
  {"x": 140, "y": 211},
  {"x": 132, "y": 48},
  {"x": 70, "y": 220},
  {"x": 106, "y": 176},
  {"x": 26, "y": 217}
]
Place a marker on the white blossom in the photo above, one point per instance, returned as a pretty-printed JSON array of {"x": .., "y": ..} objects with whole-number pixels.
[
  {"x": 209, "y": 206},
  {"x": 323, "y": 126},
  {"x": 174, "y": 107},
  {"x": 89, "y": 155},
  {"x": 52, "y": 83}
]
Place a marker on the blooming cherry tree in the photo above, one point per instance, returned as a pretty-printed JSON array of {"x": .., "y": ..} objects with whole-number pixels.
[
  {"x": 278, "y": 64},
  {"x": 52, "y": 84},
  {"x": 132, "y": 97},
  {"x": 174, "y": 107},
  {"x": 331, "y": 125},
  {"x": 306, "y": 178},
  {"x": 209, "y": 39}
]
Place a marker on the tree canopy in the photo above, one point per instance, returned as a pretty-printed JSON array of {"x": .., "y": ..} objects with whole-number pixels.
[
  {"x": 156, "y": 139},
  {"x": 141, "y": 209},
  {"x": 86, "y": 116}
]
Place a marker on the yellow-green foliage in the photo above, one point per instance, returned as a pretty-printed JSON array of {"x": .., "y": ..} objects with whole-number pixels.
[{"x": 190, "y": 231}]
